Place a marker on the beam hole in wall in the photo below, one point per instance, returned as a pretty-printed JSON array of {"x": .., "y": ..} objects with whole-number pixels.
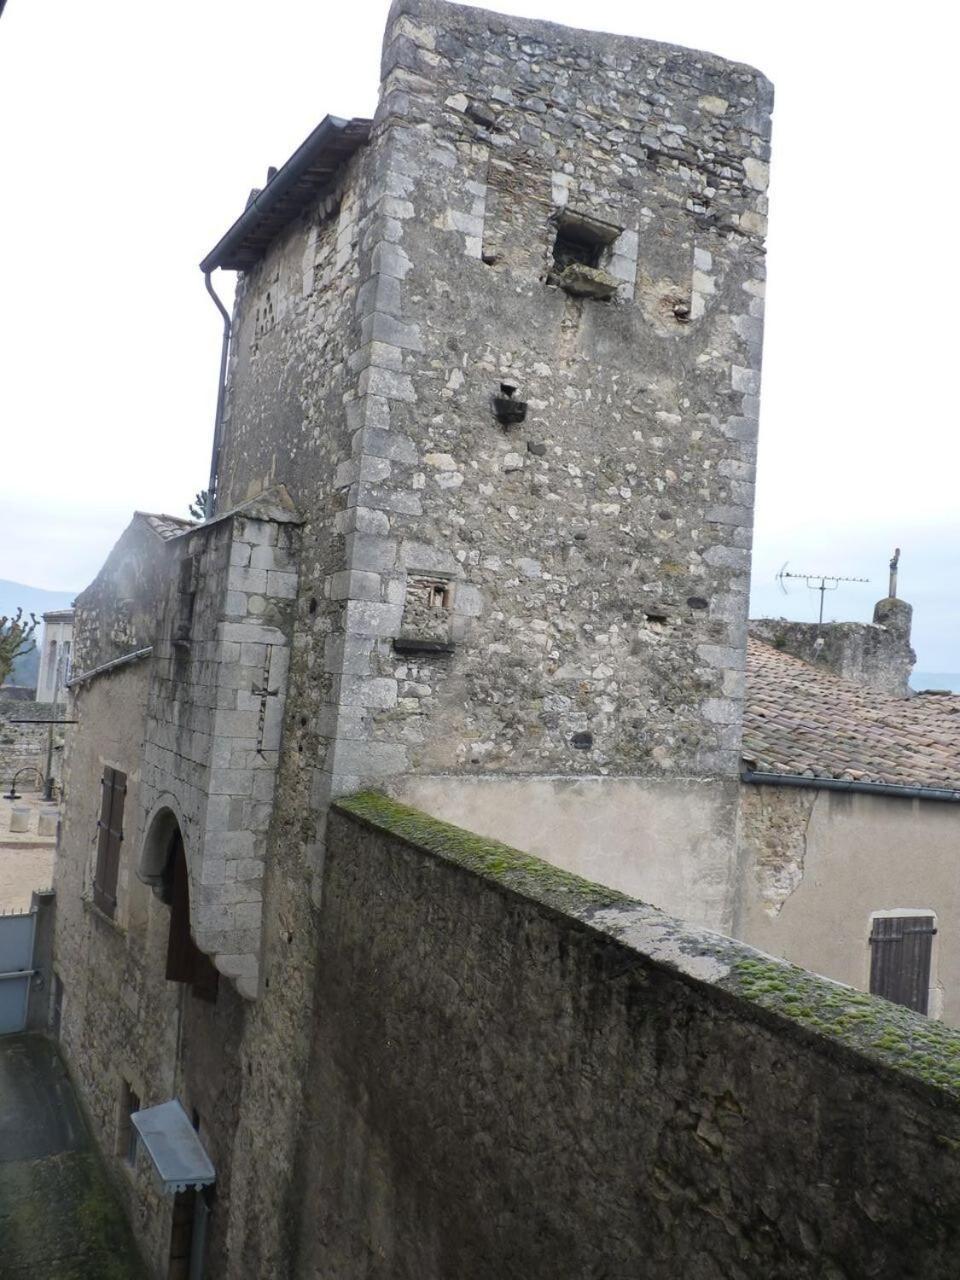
[
  {"x": 582, "y": 741},
  {"x": 508, "y": 409},
  {"x": 582, "y": 239},
  {"x": 581, "y": 249}
]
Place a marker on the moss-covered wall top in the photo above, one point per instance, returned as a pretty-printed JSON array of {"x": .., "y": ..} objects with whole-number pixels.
[{"x": 516, "y": 1073}]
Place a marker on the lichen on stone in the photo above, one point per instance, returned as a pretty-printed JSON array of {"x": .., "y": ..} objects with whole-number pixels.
[{"x": 878, "y": 1029}]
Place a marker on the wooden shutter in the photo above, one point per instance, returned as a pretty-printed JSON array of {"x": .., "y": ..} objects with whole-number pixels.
[
  {"x": 900, "y": 950},
  {"x": 110, "y": 836}
]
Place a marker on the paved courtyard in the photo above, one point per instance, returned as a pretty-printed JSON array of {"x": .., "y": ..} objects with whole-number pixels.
[
  {"x": 26, "y": 857},
  {"x": 59, "y": 1219}
]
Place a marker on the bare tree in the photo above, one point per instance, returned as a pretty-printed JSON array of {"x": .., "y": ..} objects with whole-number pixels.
[{"x": 16, "y": 639}]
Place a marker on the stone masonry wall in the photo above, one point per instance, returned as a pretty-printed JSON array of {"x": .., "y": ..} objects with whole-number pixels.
[
  {"x": 598, "y": 552},
  {"x": 214, "y": 721},
  {"x": 24, "y": 746},
  {"x": 119, "y": 1021},
  {"x": 877, "y": 654},
  {"x": 610, "y": 1092},
  {"x": 590, "y": 565},
  {"x": 122, "y": 1023},
  {"x": 594, "y": 559}
]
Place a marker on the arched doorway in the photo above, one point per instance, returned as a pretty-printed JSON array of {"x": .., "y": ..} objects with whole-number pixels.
[
  {"x": 185, "y": 961},
  {"x": 163, "y": 865}
]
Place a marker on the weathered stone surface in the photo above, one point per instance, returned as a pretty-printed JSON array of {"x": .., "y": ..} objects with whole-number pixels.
[
  {"x": 610, "y": 1091},
  {"x": 369, "y": 344},
  {"x": 877, "y": 654}
]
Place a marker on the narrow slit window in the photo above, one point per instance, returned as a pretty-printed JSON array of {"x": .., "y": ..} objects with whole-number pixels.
[{"x": 127, "y": 1138}]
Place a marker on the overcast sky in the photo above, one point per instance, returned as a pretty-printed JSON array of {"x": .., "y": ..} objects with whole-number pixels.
[{"x": 132, "y": 134}]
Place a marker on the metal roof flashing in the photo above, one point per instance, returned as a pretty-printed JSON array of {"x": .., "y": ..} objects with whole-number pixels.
[
  {"x": 295, "y": 186},
  {"x": 174, "y": 1147}
]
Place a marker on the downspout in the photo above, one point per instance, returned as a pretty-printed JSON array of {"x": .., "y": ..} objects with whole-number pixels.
[{"x": 210, "y": 505}]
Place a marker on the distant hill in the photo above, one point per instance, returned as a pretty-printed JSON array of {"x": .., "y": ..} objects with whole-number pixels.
[{"x": 16, "y": 595}]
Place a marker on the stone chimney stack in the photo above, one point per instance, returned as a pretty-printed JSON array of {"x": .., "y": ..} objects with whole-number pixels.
[{"x": 876, "y": 654}]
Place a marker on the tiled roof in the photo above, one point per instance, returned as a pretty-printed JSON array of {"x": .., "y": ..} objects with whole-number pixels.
[
  {"x": 165, "y": 526},
  {"x": 803, "y": 721}
]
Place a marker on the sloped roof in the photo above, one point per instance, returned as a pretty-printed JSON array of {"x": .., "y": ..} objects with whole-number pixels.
[
  {"x": 304, "y": 177},
  {"x": 165, "y": 526},
  {"x": 800, "y": 720}
]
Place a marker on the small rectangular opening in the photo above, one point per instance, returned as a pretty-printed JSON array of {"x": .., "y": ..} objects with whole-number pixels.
[
  {"x": 582, "y": 239},
  {"x": 427, "y": 616}
]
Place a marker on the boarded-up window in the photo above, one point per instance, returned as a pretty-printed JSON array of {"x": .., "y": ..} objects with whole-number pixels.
[
  {"x": 900, "y": 951},
  {"x": 113, "y": 787}
]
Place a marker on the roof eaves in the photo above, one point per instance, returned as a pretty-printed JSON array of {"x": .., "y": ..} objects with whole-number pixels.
[{"x": 292, "y": 188}]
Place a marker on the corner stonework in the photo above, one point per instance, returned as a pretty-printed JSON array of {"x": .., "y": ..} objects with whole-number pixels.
[{"x": 215, "y": 715}]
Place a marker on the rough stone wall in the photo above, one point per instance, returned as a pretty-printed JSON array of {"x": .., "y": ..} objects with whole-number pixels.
[
  {"x": 119, "y": 612},
  {"x": 119, "y": 1018},
  {"x": 589, "y": 566},
  {"x": 24, "y": 746},
  {"x": 122, "y": 1021},
  {"x": 213, "y": 731},
  {"x": 598, "y": 553},
  {"x": 877, "y": 654},
  {"x": 605, "y": 1092}
]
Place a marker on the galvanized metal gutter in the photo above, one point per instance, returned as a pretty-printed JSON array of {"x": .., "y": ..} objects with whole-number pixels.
[
  {"x": 84, "y": 676},
  {"x": 843, "y": 784}
]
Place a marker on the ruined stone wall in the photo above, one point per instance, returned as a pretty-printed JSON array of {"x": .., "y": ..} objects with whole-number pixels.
[
  {"x": 877, "y": 654},
  {"x": 815, "y": 865},
  {"x": 519, "y": 1075}
]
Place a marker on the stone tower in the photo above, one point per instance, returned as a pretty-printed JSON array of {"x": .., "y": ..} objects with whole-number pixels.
[{"x": 501, "y": 346}]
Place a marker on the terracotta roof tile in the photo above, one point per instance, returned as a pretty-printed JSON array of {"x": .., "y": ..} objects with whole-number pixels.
[{"x": 801, "y": 720}]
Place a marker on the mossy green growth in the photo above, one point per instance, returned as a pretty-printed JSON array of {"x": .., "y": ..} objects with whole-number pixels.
[
  {"x": 886, "y": 1032},
  {"x": 520, "y": 872},
  {"x": 59, "y": 1219}
]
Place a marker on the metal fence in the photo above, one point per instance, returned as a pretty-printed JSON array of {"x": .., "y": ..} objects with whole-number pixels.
[{"x": 17, "y": 933}]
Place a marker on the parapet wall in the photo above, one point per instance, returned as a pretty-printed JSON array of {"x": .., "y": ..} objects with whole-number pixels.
[{"x": 517, "y": 1073}]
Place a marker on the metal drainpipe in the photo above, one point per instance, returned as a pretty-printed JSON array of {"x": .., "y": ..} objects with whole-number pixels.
[{"x": 211, "y": 503}]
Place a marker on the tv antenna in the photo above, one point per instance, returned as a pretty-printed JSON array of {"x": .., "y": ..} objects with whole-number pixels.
[{"x": 822, "y": 582}]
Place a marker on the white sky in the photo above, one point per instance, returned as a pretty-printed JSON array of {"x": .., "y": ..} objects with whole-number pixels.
[{"x": 132, "y": 134}]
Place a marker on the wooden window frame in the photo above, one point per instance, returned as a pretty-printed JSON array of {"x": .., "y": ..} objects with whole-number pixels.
[{"x": 113, "y": 787}]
